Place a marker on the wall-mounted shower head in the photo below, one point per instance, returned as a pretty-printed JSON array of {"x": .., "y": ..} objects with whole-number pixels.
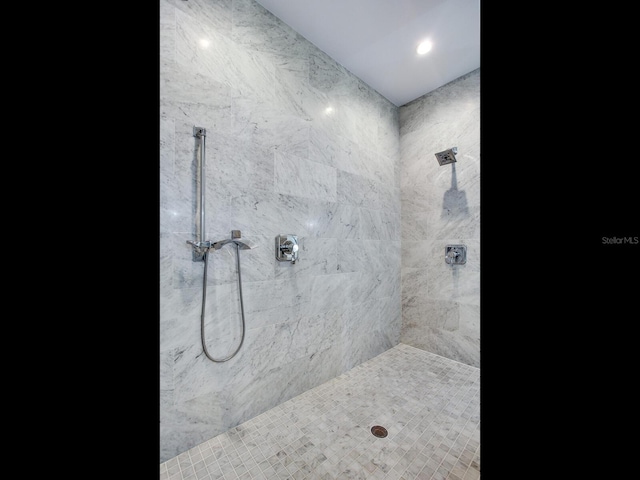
[{"x": 447, "y": 156}]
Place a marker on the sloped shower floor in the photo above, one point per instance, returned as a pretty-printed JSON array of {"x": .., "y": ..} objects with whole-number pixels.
[{"x": 429, "y": 405}]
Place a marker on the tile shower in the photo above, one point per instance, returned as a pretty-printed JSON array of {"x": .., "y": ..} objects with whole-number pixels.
[{"x": 296, "y": 144}]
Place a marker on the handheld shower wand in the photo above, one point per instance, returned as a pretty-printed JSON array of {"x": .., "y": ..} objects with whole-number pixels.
[{"x": 240, "y": 245}]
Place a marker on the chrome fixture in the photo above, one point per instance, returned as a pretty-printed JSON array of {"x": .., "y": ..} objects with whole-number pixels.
[
  {"x": 200, "y": 246},
  {"x": 287, "y": 248},
  {"x": 240, "y": 245},
  {"x": 455, "y": 254},
  {"x": 235, "y": 238},
  {"x": 201, "y": 249},
  {"x": 447, "y": 156}
]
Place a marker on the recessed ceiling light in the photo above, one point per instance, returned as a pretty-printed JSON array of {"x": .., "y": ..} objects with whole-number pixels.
[{"x": 424, "y": 47}]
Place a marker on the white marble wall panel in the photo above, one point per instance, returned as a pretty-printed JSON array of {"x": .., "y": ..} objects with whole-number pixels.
[
  {"x": 261, "y": 122},
  {"x": 374, "y": 285},
  {"x": 216, "y": 14},
  {"x": 380, "y": 224},
  {"x": 236, "y": 166},
  {"x": 329, "y": 290},
  {"x": 367, "y": 255},
  {"x": 334, "y": 220},
  {"x": 416, "y": 253},
  {"x": 167, "y": 35},
  {"x": 257, "y": 29},
  {"x": 303, "y": 178},
  {"x": 388, "y": 142},
  {"x": 167, "y": 175},
  {"x": 266, "y": 95},
  {"x": 292, "y": 92},
  {"x": 326, "y": 75},
  {"x": 364, "y": 192},
  {"x": 441, "y": 206},
  {"x": 277, "y": 384},
  {"x": 364, "y": 106},
  {"x": 469, "y": 321},
  {"x": 327, "y": 149}
]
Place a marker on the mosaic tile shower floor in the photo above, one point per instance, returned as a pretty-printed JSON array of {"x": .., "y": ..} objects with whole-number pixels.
[{"x": 430, "y": 406}]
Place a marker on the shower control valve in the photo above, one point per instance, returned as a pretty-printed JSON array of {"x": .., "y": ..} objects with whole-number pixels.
[
  {"x": 455, "y": 254},
  {"x": 287, "y": 248}
]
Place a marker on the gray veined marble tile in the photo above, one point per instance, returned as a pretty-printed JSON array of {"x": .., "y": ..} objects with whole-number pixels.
[
  {"x": 292, "y": 92},
  {"x": 389, "y": 134},
  {"x": 418, "y": 254},
  {"x": 258, "y": 29},
  {"x": 369, "y": 285},
  {"x": 166, "y": 265},
  {"x": 328, "y": 149},
  {"x": 211, "y": 53},
  {"x": 419, "y": 200},
  {"x": 260, "y": 213},
  {"x": 355, "y": 255},
  {"x": 317, "y": 256},
  {"x": 454, "y": 222},
  {"x": 364, "y": 108},
  {"x": 414, "y": 284},
  {"x": 366, "y": 162},
  {"x": 168, "y": 209},
  {"x": 276, "y": 294},
  {"x": 260, "y": 121},
  {"x": 180, "y": 312},
  {"x": 167, "y": 35},
  {"x": 210, "y": 110},
  {"x": 417, "y": 162},
  {"x": 284, "y": 312},
  {"x": 470, "y": 321},
  {"x": 423, "y": 315},
  {"x": 338, "y": 118},
  {"x": 379, "y": 225},
  {"x": 214, "y": 15},
  {"x": 414, "y": 226},
  {"x": 238, "y": 166},
  {"x": 361, "y": 191},
  {"x": 455, "y": 284},
  {"x": 326, "y": 291},
  {"x": 327, "y": 76},
  {"x": 334, "y": 220},
  {"x": 300, "y": 177},
  {"x": 195, "y": 375}
]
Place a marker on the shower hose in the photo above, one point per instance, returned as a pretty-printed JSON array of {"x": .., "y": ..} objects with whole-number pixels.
[{"x": 204, "y": 302}]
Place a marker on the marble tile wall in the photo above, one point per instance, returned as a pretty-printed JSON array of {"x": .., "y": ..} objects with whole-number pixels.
[
  {"x": 440, "y": 206},
  {"x": 295, "y": 144}
]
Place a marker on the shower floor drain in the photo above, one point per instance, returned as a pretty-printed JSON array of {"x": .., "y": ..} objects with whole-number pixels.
[{"x": 379, "y": 431}]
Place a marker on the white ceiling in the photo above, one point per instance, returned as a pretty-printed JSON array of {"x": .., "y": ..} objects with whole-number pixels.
[{"x": 376, "y": 40}]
